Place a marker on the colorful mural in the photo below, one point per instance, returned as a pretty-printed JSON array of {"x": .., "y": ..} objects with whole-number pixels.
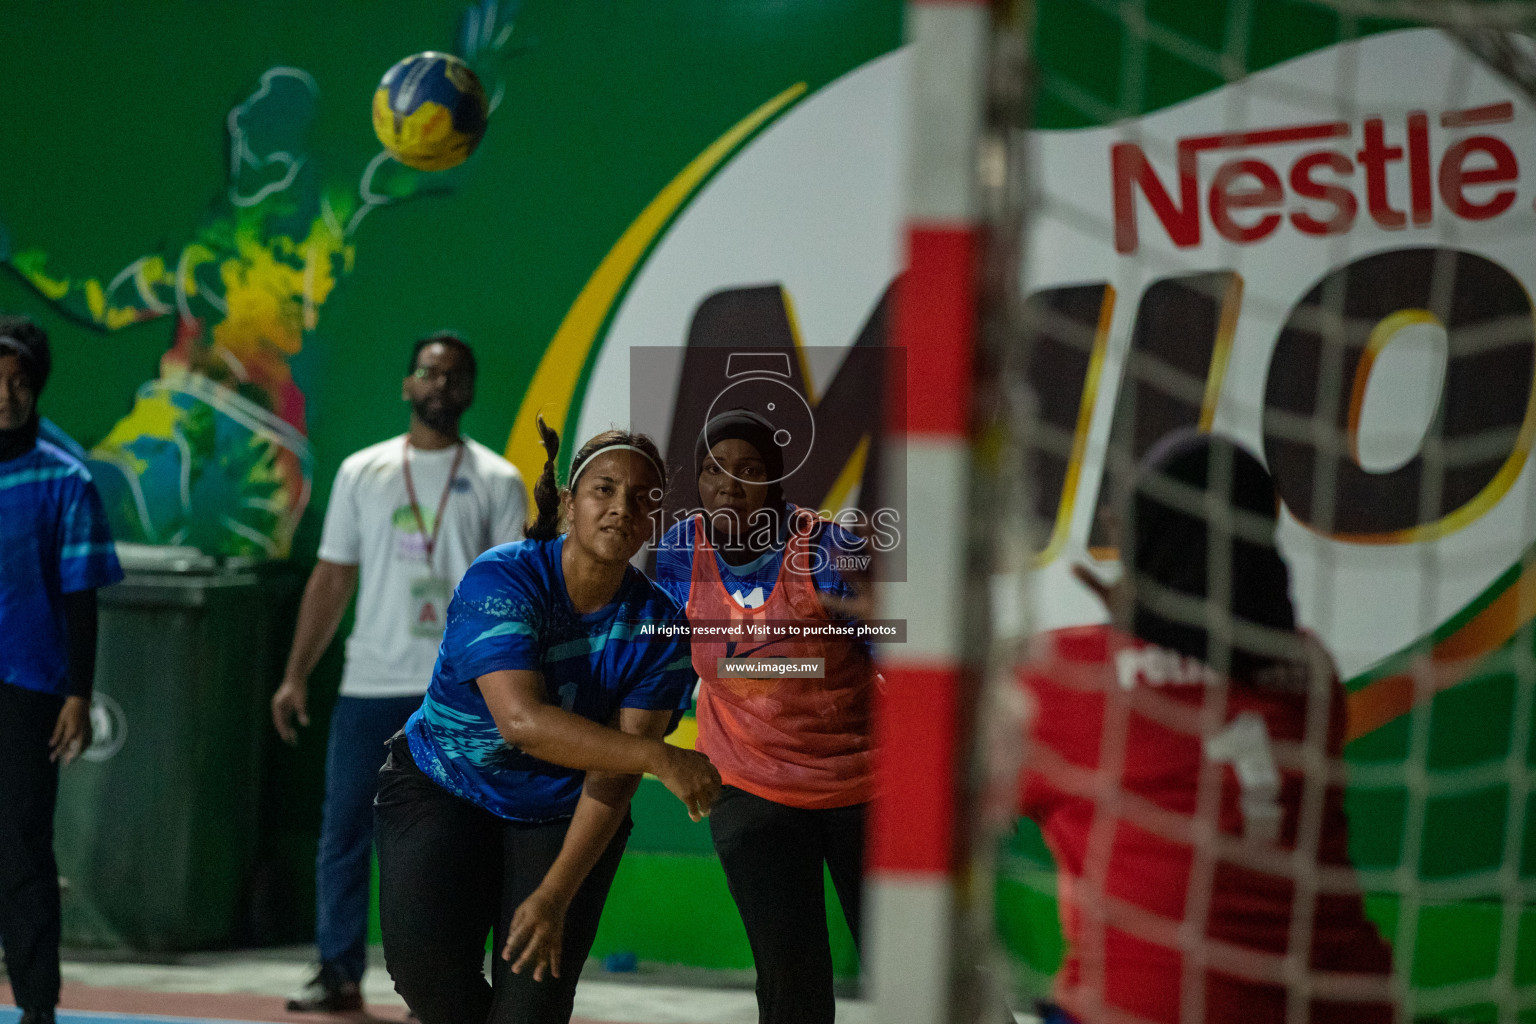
[{"x": 214, "y": 452}]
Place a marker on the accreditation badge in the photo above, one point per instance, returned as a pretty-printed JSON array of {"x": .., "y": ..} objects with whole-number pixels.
[{"x": 429, "y": 606}]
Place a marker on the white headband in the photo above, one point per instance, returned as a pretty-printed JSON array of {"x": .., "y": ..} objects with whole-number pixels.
[{"x": 660, "y": 476}]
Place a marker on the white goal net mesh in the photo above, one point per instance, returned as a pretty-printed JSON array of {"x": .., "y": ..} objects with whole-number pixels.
[{"x": 1303, "y": 227}]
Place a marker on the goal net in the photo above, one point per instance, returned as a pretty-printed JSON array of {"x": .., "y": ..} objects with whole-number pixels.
[{"x": 1305, "y": 226}]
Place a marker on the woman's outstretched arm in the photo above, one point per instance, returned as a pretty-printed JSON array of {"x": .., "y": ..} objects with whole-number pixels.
[
  {"x": 516, "y": 701},
  {"x": 538, "y": 925}
]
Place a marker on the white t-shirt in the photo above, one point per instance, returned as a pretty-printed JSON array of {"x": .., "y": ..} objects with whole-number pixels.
[{"x": 402, "y": 603}]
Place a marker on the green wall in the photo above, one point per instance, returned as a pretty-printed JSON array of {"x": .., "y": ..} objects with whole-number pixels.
[{"x": 113, "y": 145}]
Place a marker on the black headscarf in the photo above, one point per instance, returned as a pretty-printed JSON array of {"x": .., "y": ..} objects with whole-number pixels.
[
  {"x": 22, "y": 337},
  {"x": 743, "y": 425},
  {"x": 1174, "y": 521}
]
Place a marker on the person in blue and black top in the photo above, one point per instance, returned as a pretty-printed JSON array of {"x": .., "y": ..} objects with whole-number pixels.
[
  {"x": 55, "y": 553},
  {"x": 504, "y": 804}
]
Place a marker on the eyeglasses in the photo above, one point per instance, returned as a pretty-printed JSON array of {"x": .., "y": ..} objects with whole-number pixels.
[{"x": 452, "y": 378}]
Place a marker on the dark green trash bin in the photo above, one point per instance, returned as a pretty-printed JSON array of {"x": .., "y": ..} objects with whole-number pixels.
[{"x": 156, "y": 825}]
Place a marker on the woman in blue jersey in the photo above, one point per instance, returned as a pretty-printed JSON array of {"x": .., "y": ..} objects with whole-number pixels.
[{"x": 504, "y": 805}]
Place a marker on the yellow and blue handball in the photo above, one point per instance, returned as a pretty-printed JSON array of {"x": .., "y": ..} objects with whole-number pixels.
[{"x": 430, "y": 111}]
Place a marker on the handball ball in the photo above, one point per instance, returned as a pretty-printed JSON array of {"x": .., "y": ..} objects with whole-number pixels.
[{"x": 430, "y": 111}]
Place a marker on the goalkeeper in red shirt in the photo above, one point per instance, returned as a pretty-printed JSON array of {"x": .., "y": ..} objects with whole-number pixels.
[{"x": 1184, "y": 766}]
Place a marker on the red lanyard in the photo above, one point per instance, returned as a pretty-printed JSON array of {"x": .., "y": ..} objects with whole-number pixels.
[{"x": 430, "y": 539}]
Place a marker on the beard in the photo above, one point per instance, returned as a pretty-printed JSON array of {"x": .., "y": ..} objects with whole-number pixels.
[{"x": 441, "y": 416}]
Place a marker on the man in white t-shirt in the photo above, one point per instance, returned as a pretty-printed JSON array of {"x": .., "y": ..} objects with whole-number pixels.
[{"x": 406, "y": 518}]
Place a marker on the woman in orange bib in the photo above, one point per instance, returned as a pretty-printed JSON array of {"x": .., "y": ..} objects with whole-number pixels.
[{"x": 783, "y": 707}]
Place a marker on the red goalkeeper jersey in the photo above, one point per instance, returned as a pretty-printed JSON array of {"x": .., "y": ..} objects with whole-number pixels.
[{"x": 1191, "y": 819}]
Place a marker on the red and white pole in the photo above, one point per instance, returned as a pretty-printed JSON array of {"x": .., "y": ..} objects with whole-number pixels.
[{"x": 916, "y": 828}]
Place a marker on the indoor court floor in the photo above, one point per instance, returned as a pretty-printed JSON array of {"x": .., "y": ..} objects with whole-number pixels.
[{"x": 252, "y": 985}]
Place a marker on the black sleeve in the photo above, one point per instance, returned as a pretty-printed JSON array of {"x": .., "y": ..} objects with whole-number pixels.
[{"x": 80, "y": 626}]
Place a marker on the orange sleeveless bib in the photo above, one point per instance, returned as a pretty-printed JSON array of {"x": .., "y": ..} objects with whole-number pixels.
[{"x": 800, "y": 742}]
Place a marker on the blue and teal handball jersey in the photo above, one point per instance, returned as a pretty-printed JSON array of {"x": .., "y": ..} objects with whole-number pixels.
[
  {"x": 511, "y": 611},
  {"x": 752, "y": 584},
  {"x": 54, "y": 540}
]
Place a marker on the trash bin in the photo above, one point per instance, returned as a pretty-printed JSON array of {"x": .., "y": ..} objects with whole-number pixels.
[{"x": 156, "y": 823}]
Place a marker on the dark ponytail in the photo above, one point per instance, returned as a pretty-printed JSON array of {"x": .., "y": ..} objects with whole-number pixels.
[{"x": 546, "y": 493}]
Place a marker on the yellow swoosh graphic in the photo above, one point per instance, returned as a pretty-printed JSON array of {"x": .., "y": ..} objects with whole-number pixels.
[{"x": 553, "y": 388}]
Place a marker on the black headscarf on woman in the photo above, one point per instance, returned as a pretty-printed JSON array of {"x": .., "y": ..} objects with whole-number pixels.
[
  {"x": 744, "y": 425},
  {"x": 1195, "y": 495}
]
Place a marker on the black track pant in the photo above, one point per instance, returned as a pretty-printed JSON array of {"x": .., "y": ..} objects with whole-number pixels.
[
  {"x": 773, "y": 857},
  {"x": 29, "y": 877},
  {"x": 449, "y": 874}
]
